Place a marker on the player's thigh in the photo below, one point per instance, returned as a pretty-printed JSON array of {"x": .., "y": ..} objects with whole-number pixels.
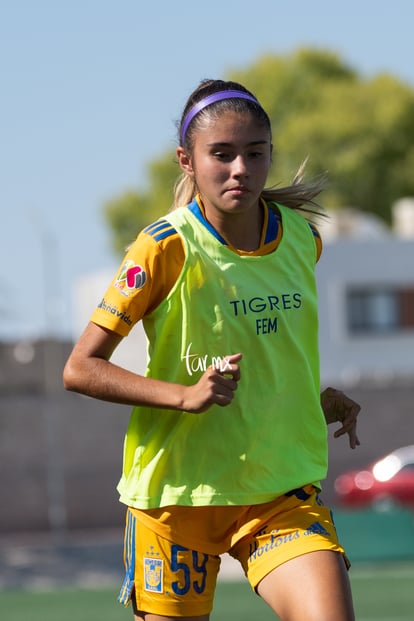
[{"x": 310, "y": 587}]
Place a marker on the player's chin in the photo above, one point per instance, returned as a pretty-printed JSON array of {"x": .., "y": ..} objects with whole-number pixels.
[{"x": 242, "y": 201}]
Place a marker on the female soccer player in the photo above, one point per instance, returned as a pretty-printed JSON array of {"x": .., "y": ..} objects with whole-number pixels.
[{"x": 227, "y": 440}]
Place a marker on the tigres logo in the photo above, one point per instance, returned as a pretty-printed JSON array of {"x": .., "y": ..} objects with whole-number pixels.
[{"x": 153, "y": 575}]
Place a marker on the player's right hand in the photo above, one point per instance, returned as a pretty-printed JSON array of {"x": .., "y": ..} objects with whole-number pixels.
[{"x": 215, "y": 387}]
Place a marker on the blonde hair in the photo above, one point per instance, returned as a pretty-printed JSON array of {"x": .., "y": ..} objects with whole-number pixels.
[{"x": 300, "y": 194}]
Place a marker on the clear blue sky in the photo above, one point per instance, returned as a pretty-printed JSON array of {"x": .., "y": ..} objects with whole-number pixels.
[{"x": 90, "y": 92}]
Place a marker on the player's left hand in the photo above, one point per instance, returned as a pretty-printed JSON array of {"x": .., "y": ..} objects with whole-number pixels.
[{"x": 337, "y": 407}]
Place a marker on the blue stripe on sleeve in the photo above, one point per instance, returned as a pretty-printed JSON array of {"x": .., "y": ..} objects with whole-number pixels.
[{"x": 160, "y": 230}]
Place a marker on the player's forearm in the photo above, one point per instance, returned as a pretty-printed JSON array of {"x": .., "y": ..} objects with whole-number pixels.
[{"x": 101, "y": 379}]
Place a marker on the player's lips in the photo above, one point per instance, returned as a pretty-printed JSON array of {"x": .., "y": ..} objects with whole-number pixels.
[{"x": 238, "y": 190}]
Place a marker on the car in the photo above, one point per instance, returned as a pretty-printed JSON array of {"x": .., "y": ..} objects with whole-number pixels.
[{"x": 387, "y": 481}]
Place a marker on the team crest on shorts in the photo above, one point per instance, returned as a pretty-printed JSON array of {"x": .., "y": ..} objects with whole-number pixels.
[{"x": 153, "y": 575}]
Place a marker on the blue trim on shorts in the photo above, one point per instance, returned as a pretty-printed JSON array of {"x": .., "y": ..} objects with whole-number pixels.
[
  {"x": 127, "y": 587},
  {"x": 299, "y": 493}
]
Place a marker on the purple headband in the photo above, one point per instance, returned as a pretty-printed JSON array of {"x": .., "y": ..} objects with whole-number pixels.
[{"x": 210, "y": 99}]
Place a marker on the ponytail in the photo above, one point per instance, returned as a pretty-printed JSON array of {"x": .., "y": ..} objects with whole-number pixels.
[
  {"x": 185, "y": 190},
  {"x": 300, "y": 195}
]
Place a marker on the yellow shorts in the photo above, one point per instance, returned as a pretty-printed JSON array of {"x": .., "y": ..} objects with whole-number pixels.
[{"x": 172, "y": 577}]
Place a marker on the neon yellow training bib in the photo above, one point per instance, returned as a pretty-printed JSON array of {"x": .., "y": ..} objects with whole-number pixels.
[{"x": 273, "y": 437}]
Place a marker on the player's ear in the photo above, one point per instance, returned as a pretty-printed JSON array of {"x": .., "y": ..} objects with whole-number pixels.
[{"x": 184, "y": 161}]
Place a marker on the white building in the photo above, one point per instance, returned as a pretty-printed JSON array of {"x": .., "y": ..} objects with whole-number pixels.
[
  {"x": 366, "y": 297},
  {"x": 366, "y": 300}
]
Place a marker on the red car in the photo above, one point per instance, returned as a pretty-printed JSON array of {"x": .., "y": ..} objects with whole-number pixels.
[{"x": 388, "y": 480}]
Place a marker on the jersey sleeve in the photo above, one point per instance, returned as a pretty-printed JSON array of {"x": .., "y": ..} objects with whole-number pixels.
[
  {"x": 318, "y": 241},
  {"x": 144, "y": 278}
]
